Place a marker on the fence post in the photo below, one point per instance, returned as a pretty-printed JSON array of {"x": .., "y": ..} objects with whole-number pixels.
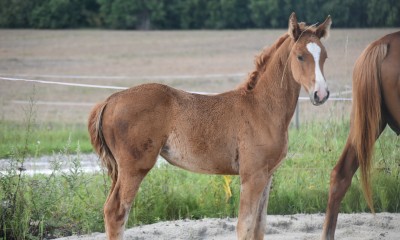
[{"x": 297, "y": 121}]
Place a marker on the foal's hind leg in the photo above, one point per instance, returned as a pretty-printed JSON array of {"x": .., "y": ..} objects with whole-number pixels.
[
  {"x": 131, "y": 172},
  {"x": 253, "y": 200},
  {"x": 117, "y": 207}
]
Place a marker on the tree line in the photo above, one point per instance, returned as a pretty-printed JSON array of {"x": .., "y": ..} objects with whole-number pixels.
[{"x": 194, "y": 14}]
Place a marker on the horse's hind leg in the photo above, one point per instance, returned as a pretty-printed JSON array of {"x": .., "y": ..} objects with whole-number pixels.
[
  {"x": 340, "y": 182},
  {"x": 131, "y": 172},
  {"x": 341, "y": 177},
  {"x": 253, "y": 200}
]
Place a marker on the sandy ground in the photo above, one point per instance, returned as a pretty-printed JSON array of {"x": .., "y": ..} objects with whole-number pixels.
[{"x": 385, "y": 226}]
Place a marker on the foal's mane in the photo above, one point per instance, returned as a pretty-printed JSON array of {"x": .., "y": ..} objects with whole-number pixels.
[{"x": 262, "y": 59}]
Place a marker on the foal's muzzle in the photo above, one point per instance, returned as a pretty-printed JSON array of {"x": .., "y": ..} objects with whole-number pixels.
[{"x": 317, "y": 98}]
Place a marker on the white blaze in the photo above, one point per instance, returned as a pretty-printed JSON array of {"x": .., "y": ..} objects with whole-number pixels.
[{"x": 320, "y": 83}]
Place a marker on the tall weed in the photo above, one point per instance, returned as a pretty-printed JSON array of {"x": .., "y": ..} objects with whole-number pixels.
[
  {"x": 15, "y": 209},
  {"x": 47, "y": 206}
]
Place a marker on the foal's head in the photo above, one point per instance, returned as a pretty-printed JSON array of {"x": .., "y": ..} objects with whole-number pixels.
[{"x": 308, "y": 56}]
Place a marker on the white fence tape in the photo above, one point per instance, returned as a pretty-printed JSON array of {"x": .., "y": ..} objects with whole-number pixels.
[
  {"x": 62, "y": 83},
  {"x": 56, "y": 103},
  {"x": 204, "y": 76},
  {"x": 79, "y": 84},
  {"x": 122, "y": 88}
]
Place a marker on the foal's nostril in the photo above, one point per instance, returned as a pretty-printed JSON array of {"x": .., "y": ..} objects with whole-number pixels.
[
  {"x": 327, "y": 94},
  {"x": 316, "y": 98}
]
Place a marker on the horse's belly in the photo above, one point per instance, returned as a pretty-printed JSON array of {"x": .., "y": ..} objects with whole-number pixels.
[{"x": 208, "y": 160}]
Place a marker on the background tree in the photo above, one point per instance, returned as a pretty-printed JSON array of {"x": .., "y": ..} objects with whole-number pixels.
[
  {"x": 17, "y": 13},
  {"x": 383, "y": 13},
  {"x": 57, "y": 14},
  {"x": 194, "y": 14}
]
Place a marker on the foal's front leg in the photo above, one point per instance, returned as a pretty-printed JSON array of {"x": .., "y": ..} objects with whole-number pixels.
[{"x": 253, "y": 200}]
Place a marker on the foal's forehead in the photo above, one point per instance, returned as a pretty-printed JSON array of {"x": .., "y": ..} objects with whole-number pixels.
[
  {"x": 314, "y": 49},
  {"x": 312, "y": 43}
]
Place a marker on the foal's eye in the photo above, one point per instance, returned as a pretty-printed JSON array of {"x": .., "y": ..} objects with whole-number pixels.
[{"x": 300, "y": 58}]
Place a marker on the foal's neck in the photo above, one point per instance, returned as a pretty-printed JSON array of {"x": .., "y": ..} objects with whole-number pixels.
[{"x": 276, "y": 88}]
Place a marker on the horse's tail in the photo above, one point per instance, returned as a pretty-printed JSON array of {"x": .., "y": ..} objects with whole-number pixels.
[
  {"x": 98, "y": 141},
  {"x": 367, "y": 110}
]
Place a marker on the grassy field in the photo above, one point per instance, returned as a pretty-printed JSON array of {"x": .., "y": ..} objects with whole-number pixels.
[
  {"x": 45, "y": 139},
  {"x": 39, "y": 119}
]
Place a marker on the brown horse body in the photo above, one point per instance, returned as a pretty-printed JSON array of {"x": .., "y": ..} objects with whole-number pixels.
[
  {"x": 243, "y": 131},
  {"x": 376, "y": 104}
]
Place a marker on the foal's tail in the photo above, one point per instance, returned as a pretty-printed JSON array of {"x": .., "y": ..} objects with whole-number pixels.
[
  {"x": 98, "y": 141},
  {"x": 367, "y": 110}
]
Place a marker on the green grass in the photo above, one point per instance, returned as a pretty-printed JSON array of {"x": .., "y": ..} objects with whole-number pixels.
[
  {"x": 60, "y": 204},
  {"x": 43, "y": 139}
]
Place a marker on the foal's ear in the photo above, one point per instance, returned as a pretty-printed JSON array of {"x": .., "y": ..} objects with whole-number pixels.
[
  {"x": 323, "y": 29},
  {"x": 294, "y": 29}
]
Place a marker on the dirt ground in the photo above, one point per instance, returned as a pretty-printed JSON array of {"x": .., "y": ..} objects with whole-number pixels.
[
  {"x": 365, "y": 226},
  {"x": 211, "y": 61}
]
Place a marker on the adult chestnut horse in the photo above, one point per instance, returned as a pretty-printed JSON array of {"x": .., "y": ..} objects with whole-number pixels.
[
  {"x": 243, "y": 131},
  {"x": 376, "y": 103}
]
